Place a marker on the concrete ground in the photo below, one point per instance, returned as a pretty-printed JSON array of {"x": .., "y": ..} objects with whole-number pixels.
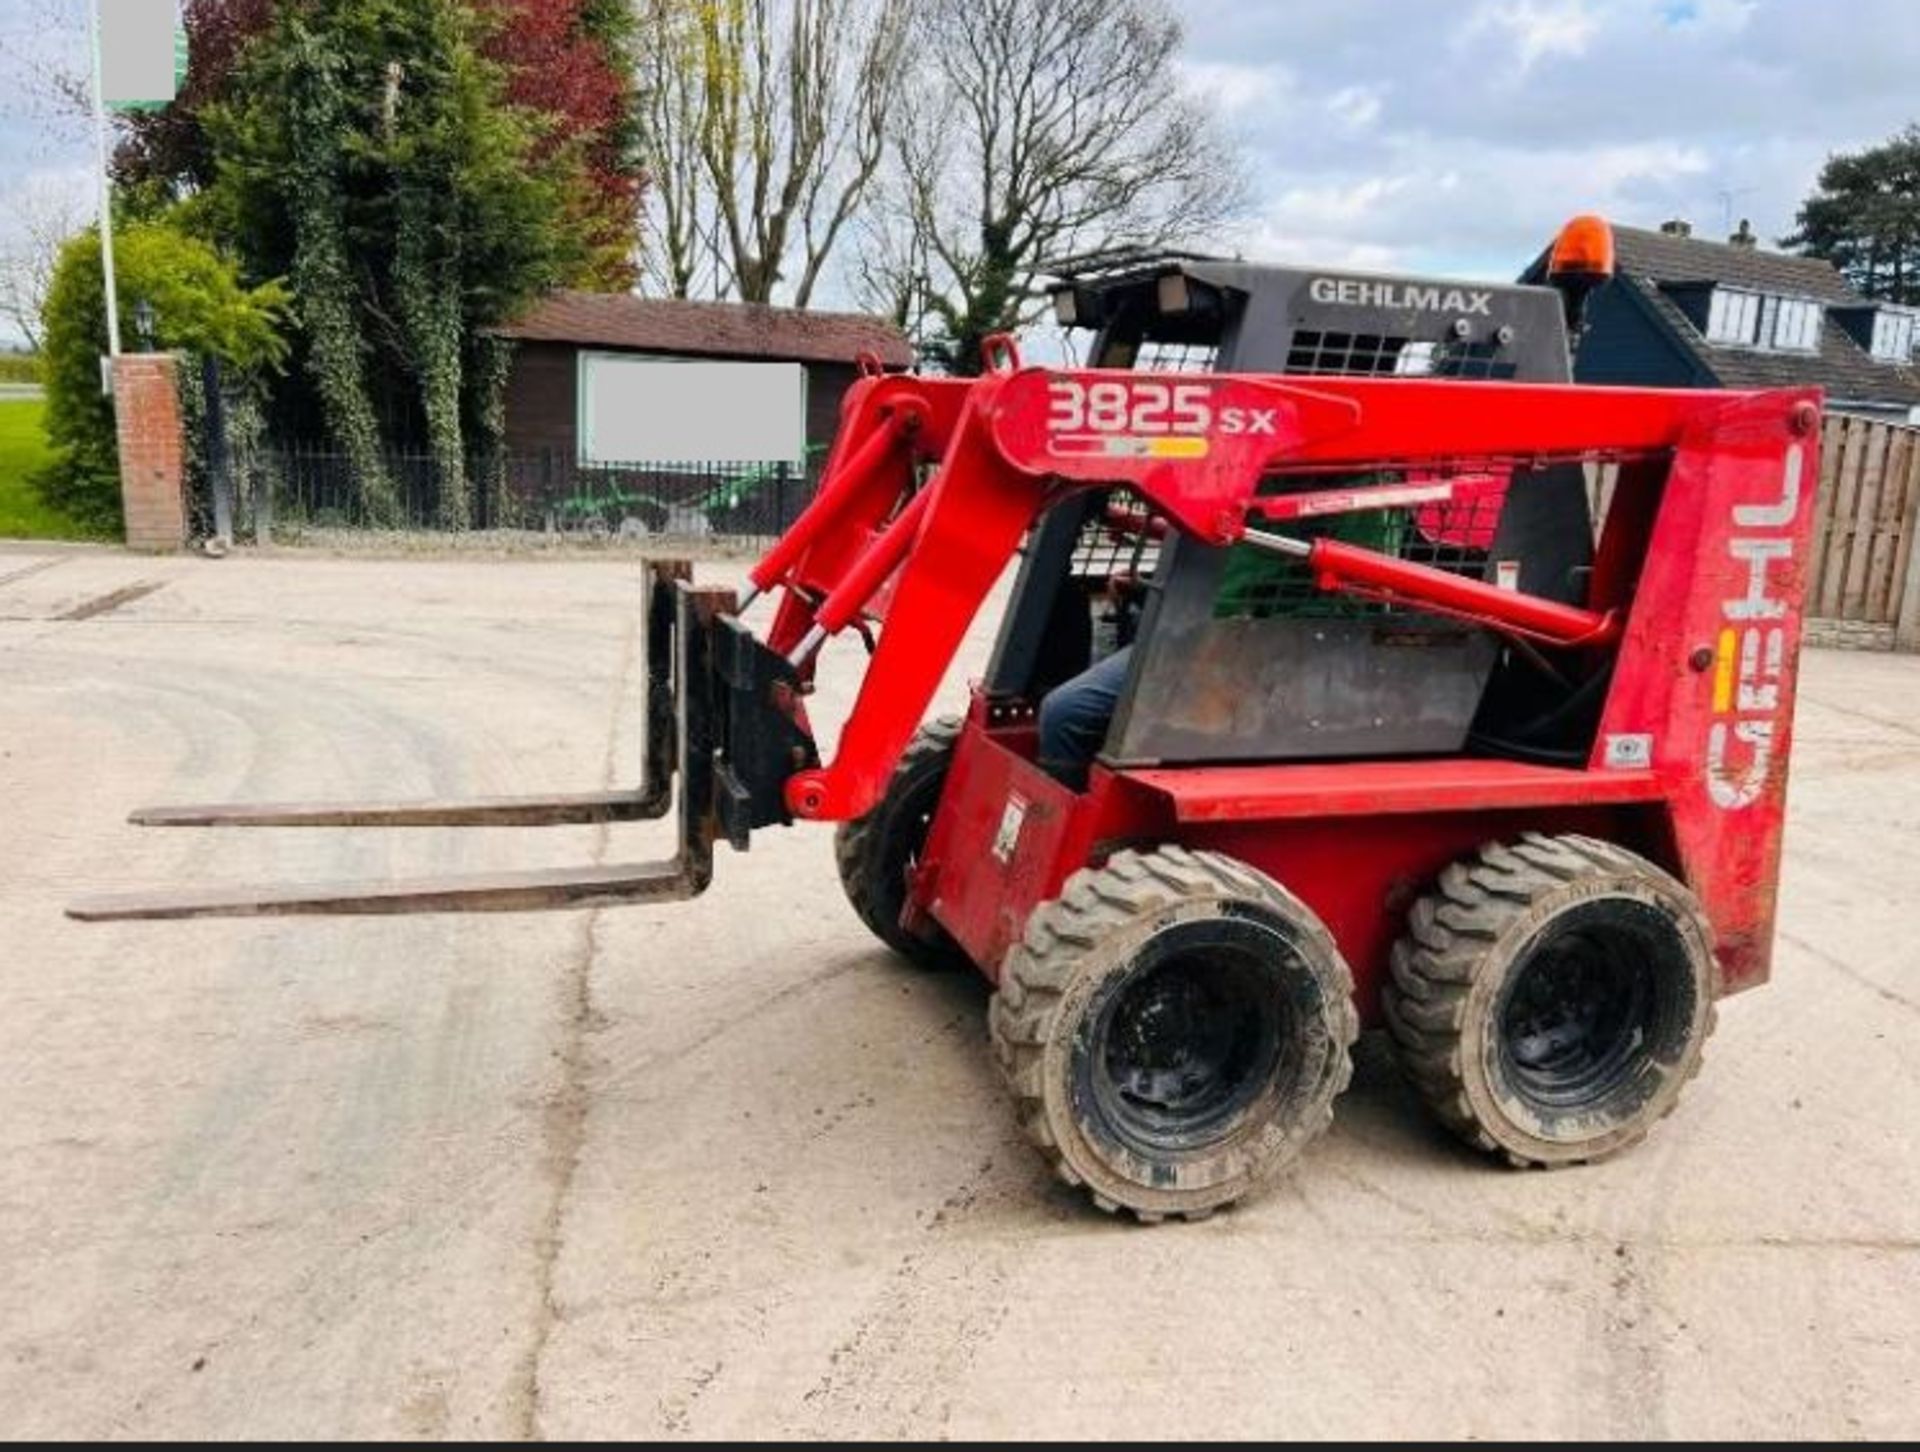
[{"x": 725, "y": 1169}]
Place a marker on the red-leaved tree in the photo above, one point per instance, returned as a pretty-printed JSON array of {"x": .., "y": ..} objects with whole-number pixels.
[
  {"x": 573, "y": 60},
  {"x": 168, "y": 148}
]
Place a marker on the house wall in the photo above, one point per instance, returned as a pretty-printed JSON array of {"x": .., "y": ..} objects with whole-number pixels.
[
  {"x": 827, "y": 385},
  {"x": 543, "y": 398},
  {"x": 1624, "y": 344}
]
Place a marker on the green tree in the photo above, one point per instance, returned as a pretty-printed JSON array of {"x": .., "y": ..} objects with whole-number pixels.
[
  {"x": 198, "y": 306},
  {"x": 369, "y": 153},
  {"x": 1864, "y": 218},
  {"x": 572, "y": 61}
]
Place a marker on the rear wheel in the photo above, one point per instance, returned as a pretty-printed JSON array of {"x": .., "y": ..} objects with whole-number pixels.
[
  {"x": 877, "y": 853},
  {"x": 1174, "y": 1027},
  {"x": 1552, "y": 997}
]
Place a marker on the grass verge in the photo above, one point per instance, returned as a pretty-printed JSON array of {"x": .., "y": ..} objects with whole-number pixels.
[{"x": 23, "y": 449}]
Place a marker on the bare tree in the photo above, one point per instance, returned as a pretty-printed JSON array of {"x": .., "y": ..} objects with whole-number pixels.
[
  {"x": 44, "y": 75},
  {"x": 43, "y": 211},
  {"x": 682, "y": 253},
  {"x": 767, "y": 123},
  {"x": 46, "y": 106},
  {"x": 1036, "y": 130}
]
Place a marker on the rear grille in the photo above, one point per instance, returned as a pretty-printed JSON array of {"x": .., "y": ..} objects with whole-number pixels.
[
  {"x": 1158, "y": 357},
  {"x": 1364, "y": 355},
  {"x": 1473, "y": 360},
  {"x": 1388, "y": 355}
]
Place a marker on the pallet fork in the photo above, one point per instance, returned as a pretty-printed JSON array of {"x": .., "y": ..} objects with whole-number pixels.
[{"x": 709, "y": 686}]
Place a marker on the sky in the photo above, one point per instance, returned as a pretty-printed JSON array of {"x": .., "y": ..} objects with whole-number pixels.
[
  {"x": 1455, "y": 136},
  {"x": 1441, "y": 136}
]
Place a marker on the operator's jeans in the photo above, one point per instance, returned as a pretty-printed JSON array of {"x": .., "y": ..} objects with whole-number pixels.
[{"x": 1075, "y": 715}]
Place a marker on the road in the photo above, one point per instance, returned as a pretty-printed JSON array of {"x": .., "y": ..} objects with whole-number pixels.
[{"x": 723, "y": 1168}]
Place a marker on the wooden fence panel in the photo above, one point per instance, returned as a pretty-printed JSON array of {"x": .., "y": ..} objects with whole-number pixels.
[
  {"x": 1862, "y": 521},
  {"x": 1867, "y": 527},
  {"x": 1906, "y": 594},
  {"x": 1832, "y": 434},
  {"x": 1880, "y": 601},
  {"x": 1844, "y": 486}
]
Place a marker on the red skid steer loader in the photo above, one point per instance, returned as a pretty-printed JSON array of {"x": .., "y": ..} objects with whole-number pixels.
[{"x": 1457, "y": 699}]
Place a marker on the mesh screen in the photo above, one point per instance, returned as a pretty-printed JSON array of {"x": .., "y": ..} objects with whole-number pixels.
[
  {"x": 1455, "y": 535},
  {"x": 1123, "y": 538},
  {"x": 1121, "y": 535}
]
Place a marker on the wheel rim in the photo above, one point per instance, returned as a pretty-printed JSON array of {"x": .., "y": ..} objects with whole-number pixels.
[
  {"x": 1601, "y": 992},
  {"x": 908, "y": 834},
  {"x": 1190, "y": 1039}
]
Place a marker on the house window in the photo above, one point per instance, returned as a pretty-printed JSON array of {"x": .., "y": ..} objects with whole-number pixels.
[
  {"x": 1754, "y": 320},
  {"x": 1733, "y": 317},
  {"x": 1796, "y": 328},
  {"x": 1893, "y": 331}
]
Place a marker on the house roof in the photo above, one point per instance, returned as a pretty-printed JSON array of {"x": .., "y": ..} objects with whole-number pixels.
[
  {"x": 1663, "y": 258},
  {"x": 708, "y": 329},
  {"x": 1645, "y": 260}
]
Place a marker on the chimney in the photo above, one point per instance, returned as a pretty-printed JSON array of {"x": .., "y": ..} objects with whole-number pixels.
[
  {"x": 1744, "y": 237},
  {"x": 1677, "y": 227}
]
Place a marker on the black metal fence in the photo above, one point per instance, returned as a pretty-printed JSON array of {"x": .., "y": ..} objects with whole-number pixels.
[{"x": 283, "y": 491}]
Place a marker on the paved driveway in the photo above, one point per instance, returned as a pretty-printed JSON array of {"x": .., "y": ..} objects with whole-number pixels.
[{"x": 724, "y": 1168}]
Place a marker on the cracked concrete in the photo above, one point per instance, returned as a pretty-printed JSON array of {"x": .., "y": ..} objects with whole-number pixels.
[
  {"x": 566, "y": 1112},
  {"x": 723, "y": 1168}
]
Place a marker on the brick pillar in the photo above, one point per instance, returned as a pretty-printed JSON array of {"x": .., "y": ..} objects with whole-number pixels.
[{"x": 146, "y": 407}]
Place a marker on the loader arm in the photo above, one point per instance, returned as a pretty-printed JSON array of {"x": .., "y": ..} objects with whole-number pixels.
[{"x": 1196, "y": 449}]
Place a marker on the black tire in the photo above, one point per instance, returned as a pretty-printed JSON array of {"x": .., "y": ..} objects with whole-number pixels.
[
  {"x": 875, "y": 853},
  {"x": 1551, "y": 998},
  {"x": 1174, "y": 1028}
]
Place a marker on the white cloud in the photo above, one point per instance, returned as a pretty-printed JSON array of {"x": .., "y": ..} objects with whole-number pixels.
[
  {"x": 1281, "y": 239},
  {"x": 1610, "y": 168},
  {"x": 1340, "y": 203},
  {"x": 1537, "y": 29},
  {"x": 1232, "y": 86},
  {"x": 1356, "y": 107}
]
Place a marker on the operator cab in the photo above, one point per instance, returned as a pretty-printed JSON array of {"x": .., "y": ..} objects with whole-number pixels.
[{"x": 1237, "y": 659}]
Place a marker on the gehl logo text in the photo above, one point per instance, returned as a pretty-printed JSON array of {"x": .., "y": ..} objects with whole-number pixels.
[{"x": 1400, "y": 296}]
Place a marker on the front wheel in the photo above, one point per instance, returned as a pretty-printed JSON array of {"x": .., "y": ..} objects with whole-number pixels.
[
  {"x": 877, "y": 853},
  {"x": 1552, "y": 996},
  {"x": 1175, "y": 1028}
]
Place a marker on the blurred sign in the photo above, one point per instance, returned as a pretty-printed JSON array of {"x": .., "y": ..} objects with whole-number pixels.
[
  {"x": 143, "y": 53},
  {"x": 690, "y": 411}
]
